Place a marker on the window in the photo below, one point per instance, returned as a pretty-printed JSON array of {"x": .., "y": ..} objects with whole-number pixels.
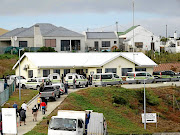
[
  {"x": 23, "y": 44},
  {"x": 65, "y": 45},
  {"x": 54, "y": 77},
  {"x": 66, "y": 71},
  {"x": 56, "y": 71},
  {"x": 76, "y": 45},
  {"x": 140, "y": 69},
  {"x": 139, "y": 44},
  {"x": 50, "y": 42},
  {"x": 46, "y": 72},
  {"x": 115, "y": 42},
  {"x": 110, "y": 70},
  {"x": 125, "y": 70},
  {"x": 178, "y": 43},
  {"x": 106, "y": 76},
  {"x": 141, "y": 74},
  {"x": 86, "y": 70},
  {"x": 99, "y": 70},
  {"x": 105, "y": 43},
  {"x": 30, "y": 73},
  {"x": 69, "y": 77},
  {"x": 116, "y": 76},
  {"x": 96, "y": 45},
  {"x": 96, "y": 76}
]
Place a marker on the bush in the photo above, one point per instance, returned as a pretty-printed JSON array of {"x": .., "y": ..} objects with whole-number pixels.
[
  {"x": 119, "y": 100},
  {"x": 46, "y": 49}
]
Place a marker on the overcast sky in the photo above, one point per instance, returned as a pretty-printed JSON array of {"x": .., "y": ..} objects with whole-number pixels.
[{"x": 95, "y": 15}]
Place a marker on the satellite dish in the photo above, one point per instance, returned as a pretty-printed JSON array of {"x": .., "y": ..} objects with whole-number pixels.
[{"x": 15, "y": 38}]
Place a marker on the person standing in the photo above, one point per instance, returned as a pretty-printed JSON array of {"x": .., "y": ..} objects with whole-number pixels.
[
  {"x": 34, "y": 112},
  {"x": 43, "y": 106},
  {"x": 24, "y": 106},
  {"x": 22, "y": 116},
  {"x": 74, "y": 85},
  {"x": 62, "y": 78},
  {"x": 38, "y": 103},
  {"x": 66, "y": 87},
  {"x": 15, "y": 106}
]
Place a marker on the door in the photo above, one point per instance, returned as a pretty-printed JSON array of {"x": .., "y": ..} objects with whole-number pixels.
[
  {"x": 152, "y": 46},
  {"x": 96, "y": 45}
]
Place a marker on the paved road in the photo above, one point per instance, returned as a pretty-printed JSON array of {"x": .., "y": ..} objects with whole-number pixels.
[
  {"x": 153, "y": 85},
  {"x": 29, "y": 120}
]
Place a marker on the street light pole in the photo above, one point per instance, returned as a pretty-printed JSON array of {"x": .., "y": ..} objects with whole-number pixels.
[
  {"x": 144, "y": 106},
  {"x": 20, "y": 75},
  {"x": 133, "y": 27}
]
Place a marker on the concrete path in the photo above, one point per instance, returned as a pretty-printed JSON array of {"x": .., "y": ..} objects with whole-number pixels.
[
  {"x": 153, "y": 85},
  {"x": 29, "y": 120}
]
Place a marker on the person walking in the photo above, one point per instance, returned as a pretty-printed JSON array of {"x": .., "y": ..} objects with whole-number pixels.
[
  {"x": 16, "y": 106},
  {"x": 38, "y": 103},
  {"x": 74, "y": 85},
  {"x": 66, "y": 87},
  {"x": 24, "y": 106},
  {"x": 43, "y": 106},
  {"x": 22, "y": 116},
  {"x": 34, "y": 112}
]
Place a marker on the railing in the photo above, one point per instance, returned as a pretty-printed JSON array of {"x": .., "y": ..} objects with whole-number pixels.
[
  {"x": 14, "y": 50},
  {"x": 5, "y": 95}
]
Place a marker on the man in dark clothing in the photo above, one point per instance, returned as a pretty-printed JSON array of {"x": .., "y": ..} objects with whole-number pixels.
[
  {"x": 62, "y": 78},
  {"x": 34, "y": 112},
  {"x": 22, "y": 116},
  {"x": 66, "y": 87},
  {"x": 15, "y": 106},
  {"x": 87, "y": 121}
]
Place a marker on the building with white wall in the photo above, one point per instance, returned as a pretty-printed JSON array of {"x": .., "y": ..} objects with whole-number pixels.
[
  {"x": 101, "y": 41},
  {"x": 44, "y": 34},
  {"x": 144, "y": 40},
  {"x": 43, "y": 64}
]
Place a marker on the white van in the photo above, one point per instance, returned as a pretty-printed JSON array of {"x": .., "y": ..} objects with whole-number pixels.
[
  {"x": 103, "y": 79},
  {"x": 34, "y": 83},
  {"x": 80, "y": 80},
  {"x": 55, "y": 78},
  {"x": 138, "y": 76}
]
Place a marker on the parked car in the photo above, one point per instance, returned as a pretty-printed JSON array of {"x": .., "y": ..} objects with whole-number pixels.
[
  {"x": 80, "y": 80},
  {"x": 60, "y": 86},
  {"x": 16, "y": 78},
  {"x": 139, "y": 76},
  {"x": 166, "y": 74},
  {"x": 34, "y": 83},
  {"x": 103, "y": 79},
  {"x": 50, "y": 92},
  {"x": 55, "y": 78}
]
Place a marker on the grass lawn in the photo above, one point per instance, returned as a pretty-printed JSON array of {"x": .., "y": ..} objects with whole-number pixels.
[
  {"x": 122, "y": 109},
  {"x": 26, "y": 95}
]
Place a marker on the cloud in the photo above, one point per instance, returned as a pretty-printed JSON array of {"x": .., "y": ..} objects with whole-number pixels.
[{"x": 42, "y": 7}]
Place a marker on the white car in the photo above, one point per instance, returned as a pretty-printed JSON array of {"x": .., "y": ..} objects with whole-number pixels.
[
  {"x": 60, "y": 86},
  {"x": 34, "y": 83},
  {"x": 13, "y": 77}
]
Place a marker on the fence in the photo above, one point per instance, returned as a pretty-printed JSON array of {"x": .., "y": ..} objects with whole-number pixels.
[
  {"x": 14, "y": 50},
  {"x": 4, "y": 95}
]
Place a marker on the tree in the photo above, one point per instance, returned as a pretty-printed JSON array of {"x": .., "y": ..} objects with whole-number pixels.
[{"x": 46, "y": 49}]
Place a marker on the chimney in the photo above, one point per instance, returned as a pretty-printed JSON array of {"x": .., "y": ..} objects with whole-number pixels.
[
  {"x": 175, "y": 35},
  {"x": 37, "y": 36}
]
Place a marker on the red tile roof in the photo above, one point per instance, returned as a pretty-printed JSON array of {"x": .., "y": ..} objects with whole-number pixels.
[{"x": 168, "y": 66}]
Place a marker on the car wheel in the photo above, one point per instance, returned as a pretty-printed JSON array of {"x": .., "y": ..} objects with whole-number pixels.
[{"x": 23, "y": 86}]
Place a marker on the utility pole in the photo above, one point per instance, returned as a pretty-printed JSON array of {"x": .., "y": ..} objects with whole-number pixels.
[
  {"x": 117, "y": 26},
  {"x": 133, "y": 27},
  {"x": 166, "y": 31}
]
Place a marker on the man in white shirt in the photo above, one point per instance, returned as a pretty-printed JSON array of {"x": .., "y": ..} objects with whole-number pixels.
[{"x": 24, "y": 106}]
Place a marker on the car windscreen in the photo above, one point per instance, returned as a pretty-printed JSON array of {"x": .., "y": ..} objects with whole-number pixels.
[
  {"x": 63, "y": 124},
  {"x": 54, "y": 77},
  {"x": 48, "y": 88},
  {"x": 130, "y": 74},
  {"x": 69, "y": 77},
  {"x": 108, "y": 76},
  {"x": 96, "y": 76},
  {"x": 116, "y": 76}
]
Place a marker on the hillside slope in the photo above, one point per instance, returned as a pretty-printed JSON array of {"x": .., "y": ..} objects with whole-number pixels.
[
  {"x": 6, "y": 64},
  {"x": 122, "y": 108}
]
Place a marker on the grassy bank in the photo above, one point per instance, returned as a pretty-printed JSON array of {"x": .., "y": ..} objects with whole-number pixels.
[
  {"x": 26, "y": 95},
  {"x": 122, "y": 109},
  {"x": 7, "y": 61}
]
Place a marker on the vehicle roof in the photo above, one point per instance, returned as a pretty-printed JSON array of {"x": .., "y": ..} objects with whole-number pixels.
[
  {"x": 103, "y": 73},
  {"x": 138, "y": 72}
]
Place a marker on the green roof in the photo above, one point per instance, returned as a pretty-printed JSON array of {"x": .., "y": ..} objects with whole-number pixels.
[{"x": 128, "y": 30}]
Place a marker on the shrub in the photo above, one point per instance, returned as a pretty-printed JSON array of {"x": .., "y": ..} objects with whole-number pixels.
[
  {"x": 46, "y": 49},
  {"x": 119, "y": 100}
]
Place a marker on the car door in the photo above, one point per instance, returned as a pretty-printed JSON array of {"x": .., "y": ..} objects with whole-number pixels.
[
  {"x": 28, "y": 83},
  {"x": 80, "y": 127}
]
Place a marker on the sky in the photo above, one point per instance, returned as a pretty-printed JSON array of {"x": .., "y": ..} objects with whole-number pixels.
[{"x": 94, "y": 15}]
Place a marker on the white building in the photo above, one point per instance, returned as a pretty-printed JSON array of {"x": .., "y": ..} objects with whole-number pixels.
[
  {"x": 43, "y": 64},
  {"x": 101, "y": 41},
  {"x": 44, "y": 34},
  {"x": 144, "y": 40}
]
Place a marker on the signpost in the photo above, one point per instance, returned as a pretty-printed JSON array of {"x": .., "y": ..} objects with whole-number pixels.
[
  {"x": 9, "y": 123},
  {"x": 149, "y": 118}
]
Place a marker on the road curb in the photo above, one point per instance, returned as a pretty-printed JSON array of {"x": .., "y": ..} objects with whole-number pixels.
[{"x": 32, "y": 99}]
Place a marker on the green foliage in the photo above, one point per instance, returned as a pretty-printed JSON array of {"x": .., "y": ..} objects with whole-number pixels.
[
  {"x": 8, "y": 56},
  {"x": 151, "y": 98},
  {"x": 34, "y": 133},
  {"x": 163, "y": 39},
  {"x": 46, "y": 49},
  {"x": 119, "y": 100}
]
